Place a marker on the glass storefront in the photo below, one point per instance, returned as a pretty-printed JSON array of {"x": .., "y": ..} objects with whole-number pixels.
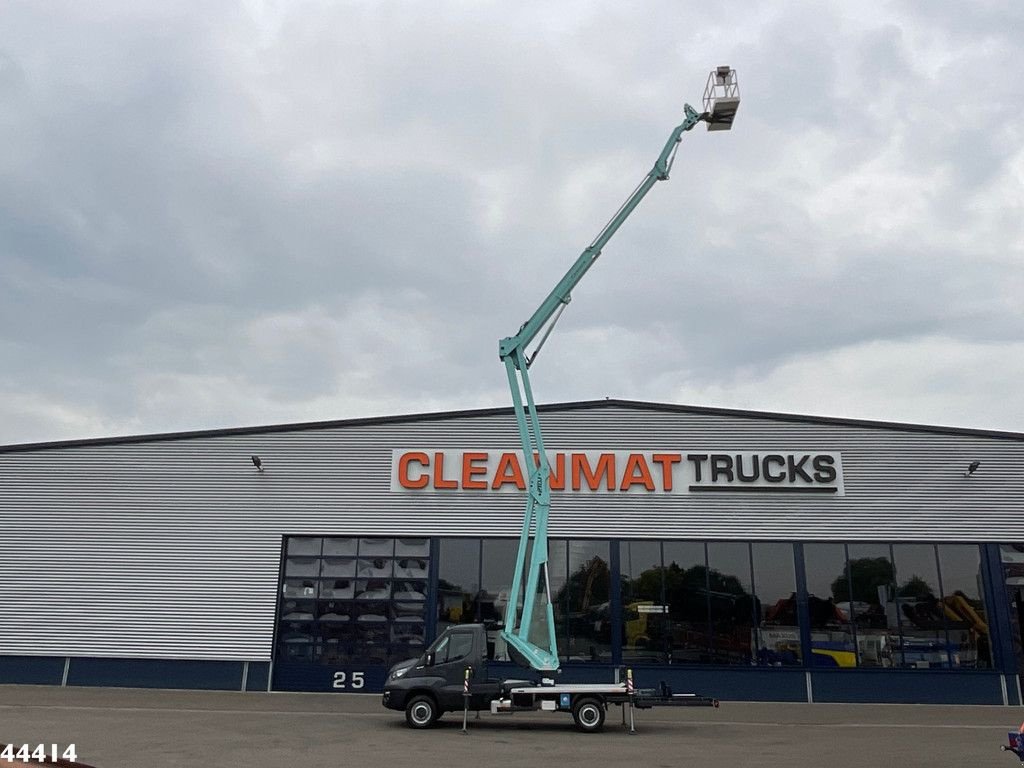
[
  {"x": 347, "y": 600},
  {"x": 352, "y": 600},
  {"x": 716, "y": 603},
  {"x": 911, "y": 606}
]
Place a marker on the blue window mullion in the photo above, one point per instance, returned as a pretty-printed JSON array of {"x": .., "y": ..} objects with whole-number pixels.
[
  {"x": 803, "y": 612},
  {"x": 707, "y": 603}
]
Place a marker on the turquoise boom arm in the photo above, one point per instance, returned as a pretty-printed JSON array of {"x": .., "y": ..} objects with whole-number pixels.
[{"x": 541, "y": 652}]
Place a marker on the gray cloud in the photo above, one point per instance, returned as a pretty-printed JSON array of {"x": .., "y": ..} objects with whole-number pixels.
[{"x": 255, "y": 213}]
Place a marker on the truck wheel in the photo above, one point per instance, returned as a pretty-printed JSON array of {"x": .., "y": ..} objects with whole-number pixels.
[
  {"x": 421, "y": 712},
  {"x": 588, "y": 714}
]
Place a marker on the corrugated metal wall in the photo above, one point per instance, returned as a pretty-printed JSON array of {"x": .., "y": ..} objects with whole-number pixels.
[{"x": 170, "y": 548}]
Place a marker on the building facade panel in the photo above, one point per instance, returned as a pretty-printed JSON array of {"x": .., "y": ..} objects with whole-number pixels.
[{"x": 170, "y": 547}]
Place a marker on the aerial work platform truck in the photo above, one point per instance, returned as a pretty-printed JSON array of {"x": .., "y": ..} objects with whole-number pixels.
[
  {"x": 452, "y": 676},
  {"x": 452, "y": 673}
]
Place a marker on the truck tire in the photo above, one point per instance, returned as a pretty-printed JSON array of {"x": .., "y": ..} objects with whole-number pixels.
[
  {"x": 588, "y": 714},
  {"x": 421, "y": 711}
]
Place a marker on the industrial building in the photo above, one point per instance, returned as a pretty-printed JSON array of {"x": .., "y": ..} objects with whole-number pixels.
[{"x": 743, "y": 555}]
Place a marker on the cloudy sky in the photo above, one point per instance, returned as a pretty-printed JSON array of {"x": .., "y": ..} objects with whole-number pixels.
[{"x": 230, "y": 214}]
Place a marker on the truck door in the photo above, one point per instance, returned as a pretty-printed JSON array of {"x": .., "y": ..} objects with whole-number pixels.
[{"x": 452, "y": 653}]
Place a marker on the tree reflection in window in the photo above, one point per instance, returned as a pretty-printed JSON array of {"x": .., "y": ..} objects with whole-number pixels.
[
  {"x": 921, "y": 641},
  {"x": 867, "y": 598},
  {"x": 732, "y": 602},
  {"x": 458, "y": 584},
  {"x": 686, "y": 595},
  {"x": 644, "y": 634},
  {"x": 777, "y": 633},
  {"x": 736, "y": 604},
  {"x": 557, "y": 574},
  {"x": 963, "y": 606},
  {"x": 832, "y": 634},
  {"x": 585, "y": 596},
  {"x": 497, "y": 563},
  {"x": 913, "y": 606}
]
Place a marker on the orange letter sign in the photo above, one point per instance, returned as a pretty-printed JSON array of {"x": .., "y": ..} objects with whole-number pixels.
[
  {"x": 403, "y": 470},
  {"x": 636, "y": 473}
]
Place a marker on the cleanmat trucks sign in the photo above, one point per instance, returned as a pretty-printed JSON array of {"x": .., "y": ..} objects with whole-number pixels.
[{"x": 425, "y": 470}]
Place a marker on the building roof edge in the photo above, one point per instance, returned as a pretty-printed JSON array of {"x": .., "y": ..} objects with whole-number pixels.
[{"x": 478, "y": 412}]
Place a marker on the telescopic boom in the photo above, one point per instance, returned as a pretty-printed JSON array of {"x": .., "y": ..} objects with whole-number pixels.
[{"x": 532, "y": 642}]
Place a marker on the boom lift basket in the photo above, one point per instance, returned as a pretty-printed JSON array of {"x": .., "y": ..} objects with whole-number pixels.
[{"x": 721, "y": 98}]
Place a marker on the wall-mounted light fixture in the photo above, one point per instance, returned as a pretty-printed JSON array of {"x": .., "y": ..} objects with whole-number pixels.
[
  {"x": 972, "y": 468},
  {"x": 257, "y": 463}
]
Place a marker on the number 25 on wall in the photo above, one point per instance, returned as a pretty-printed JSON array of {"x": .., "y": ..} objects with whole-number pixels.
[{"x": 341, "y": 680}]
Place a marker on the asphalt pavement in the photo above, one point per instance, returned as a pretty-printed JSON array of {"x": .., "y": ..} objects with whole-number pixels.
[{"x": 131, "y": 728}]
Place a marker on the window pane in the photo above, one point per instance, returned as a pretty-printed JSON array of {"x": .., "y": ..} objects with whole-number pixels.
[
  {"x": 964, "y": 606},
  {"x": 498, "y": 559},
  {"x": 732, "y": 602},
  {"x": 296, "y": 630},
  {"x": 644, "y": 629},
  {"x": 412, "y": 547},
  {"x": 778, "y": 628},
  {"x": 458, "y": 581},
  {"x": 337, "y": 588},
  {"x": 460, "y": 647},
  {"x": 335, "y": 611},
  {"x": 872, "y": 586},
  {"x": 373, "y": 589},
  {"x": 557, "y": 573},
  {"x": 371, "y": 632},
  {"x": 376, "y": 547},
  {"x": 589, "y": 638},
  {"x": 337, "y": 640},
  {"x": 378, "y": 567},
  {"x": 408, "y": 567},
  {"x": 334, "y": 546},
  {"x": 336, "y": 632},
  {"x": 335, "y": 567},
  {"x": 409, "y": 599},
  {"x": 407, "y": 639},
  {"x": 299, "y": 587},
  {"x": 827, "y": 583},
  {"x": 1012, "y": 556},
  {"x": 919, "y": 609},
  {"x": 298, "y": 610},
  {"x": 299, "y": 546},
  {"x": 302, "y": 566},
  {"x": 686, "y": 594}
]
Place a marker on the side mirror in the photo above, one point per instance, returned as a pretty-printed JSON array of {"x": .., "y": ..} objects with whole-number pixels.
[{"x": 429, "y": 659}]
